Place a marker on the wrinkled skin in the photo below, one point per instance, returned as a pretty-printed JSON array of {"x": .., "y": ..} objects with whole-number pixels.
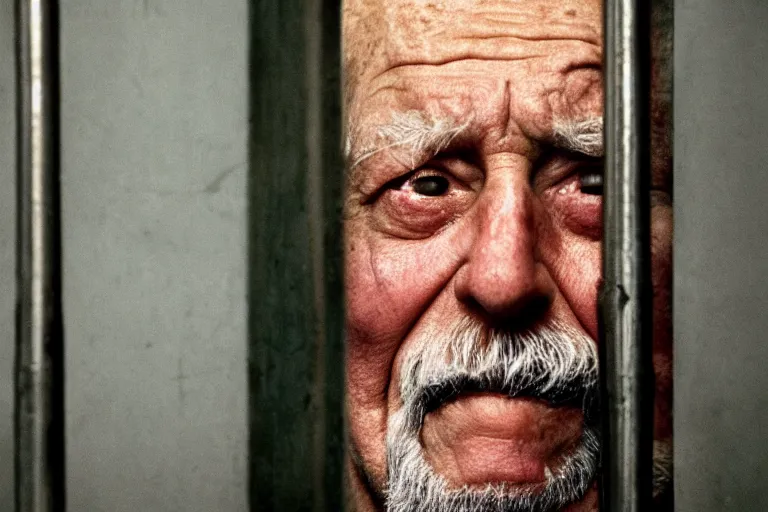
[{"x": 512, "y": 241}]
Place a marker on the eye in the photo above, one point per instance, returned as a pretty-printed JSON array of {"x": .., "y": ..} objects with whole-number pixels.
[
  {"x": 420, "y": 204},
  {"x": 577, "y": 197},
  {"x": 591, "y": 181},
  {"x": 430, "y": 185}
]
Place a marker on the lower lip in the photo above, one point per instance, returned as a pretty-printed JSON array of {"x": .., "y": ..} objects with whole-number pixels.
[{"x": 489, "y": 438}]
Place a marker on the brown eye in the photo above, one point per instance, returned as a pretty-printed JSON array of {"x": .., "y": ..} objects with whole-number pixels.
[
  {"x": 430, "y": 185},
  {"x": 591, "y": 182}
]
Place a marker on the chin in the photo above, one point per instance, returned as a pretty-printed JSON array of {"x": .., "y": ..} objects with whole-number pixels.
[
  {"x": 570, "y": 485},
  {"x": 567, "y": 483}
]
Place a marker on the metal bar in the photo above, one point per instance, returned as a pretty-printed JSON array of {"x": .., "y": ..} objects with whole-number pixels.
[
  {"x": 295, "y": 251},
  {"x": 626, "y": 358},
  {"x": 39, "y": 415},
  {"x": 313, "y": 16}
]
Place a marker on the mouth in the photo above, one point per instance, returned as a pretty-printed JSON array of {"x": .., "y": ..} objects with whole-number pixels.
[
  {"x": 481, "y": 430},
  {"x": 484, "y": 438}
]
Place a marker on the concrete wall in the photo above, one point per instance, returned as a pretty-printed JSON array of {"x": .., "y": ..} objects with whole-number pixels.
[
  {"x": 154, "y": 113},
  {"x": 721, "y": 269}
]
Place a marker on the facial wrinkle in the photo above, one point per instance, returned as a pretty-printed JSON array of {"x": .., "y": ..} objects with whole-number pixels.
[
  {"x": 413, "y": 33},
  {"x": 489, "y": 30},
  {"x": 507, "y": 105}
]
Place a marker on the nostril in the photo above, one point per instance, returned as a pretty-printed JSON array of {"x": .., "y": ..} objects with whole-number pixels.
[
  {"x": 532, "y": 311},
  {"x": 523, "y": 315}
]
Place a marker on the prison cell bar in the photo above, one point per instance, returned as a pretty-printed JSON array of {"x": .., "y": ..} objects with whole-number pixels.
[
  {"x": 625, "y": 347},
  {"x": 39, "y": 365}
]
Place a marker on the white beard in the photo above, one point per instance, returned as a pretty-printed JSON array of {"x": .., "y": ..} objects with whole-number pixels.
[
  {"x": 552, "y": 362},
  {"x": 415, "y": 487}
]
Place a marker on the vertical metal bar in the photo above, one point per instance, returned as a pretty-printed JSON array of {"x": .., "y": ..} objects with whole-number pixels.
[
  {"x": 314, "y": 146},
  {"x": 39, "y": 418},
  {"x": 295, "y": 257},
  {"x": 626, "y": 358}
]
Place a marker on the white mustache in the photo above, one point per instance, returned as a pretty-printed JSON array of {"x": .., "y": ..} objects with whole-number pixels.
[{"x": 553, "y": 362}]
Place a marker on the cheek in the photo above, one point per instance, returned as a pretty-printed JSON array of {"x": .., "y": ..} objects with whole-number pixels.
[
  {"x": 389, "y": 285},
  {"x": 574, "y": 262},
  {"x": 580, "y": 278}
]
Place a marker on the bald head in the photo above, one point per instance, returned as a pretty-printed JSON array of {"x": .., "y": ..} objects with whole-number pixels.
[
  {"x": 383, "y": 35},
  {"x": 380, "y": 35}
]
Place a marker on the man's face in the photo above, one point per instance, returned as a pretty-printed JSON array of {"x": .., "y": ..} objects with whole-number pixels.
[{"x": 473, "y": 240}]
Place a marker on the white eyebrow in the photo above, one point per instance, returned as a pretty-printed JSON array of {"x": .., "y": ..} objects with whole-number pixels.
[
  {"x": 582, "y": 135},
  {"x": 421, "y": 134},
  {"x": 418, "y": 133}
]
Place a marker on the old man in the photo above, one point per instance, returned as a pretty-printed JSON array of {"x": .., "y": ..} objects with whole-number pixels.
[{"x": 473, "y": 241}]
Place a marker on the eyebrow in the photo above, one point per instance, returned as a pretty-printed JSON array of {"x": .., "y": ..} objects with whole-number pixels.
[
  {"x": 414, "y": 131},
  {"x": 421, "y": 134},
  {"x": 583, "y": 136}
]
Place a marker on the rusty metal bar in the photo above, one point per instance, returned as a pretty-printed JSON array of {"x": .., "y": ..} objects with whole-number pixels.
[
  {"x": 39, "y": 414},
  {"x": 626, "y": 358}
]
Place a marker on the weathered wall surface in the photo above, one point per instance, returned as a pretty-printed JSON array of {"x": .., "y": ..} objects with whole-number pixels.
[
  {"x": 721, "y": 268},
  {"x": 154, "y": 114}
]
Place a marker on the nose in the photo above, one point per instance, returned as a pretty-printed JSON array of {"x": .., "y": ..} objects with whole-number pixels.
[{"x": 502, "y": 276}]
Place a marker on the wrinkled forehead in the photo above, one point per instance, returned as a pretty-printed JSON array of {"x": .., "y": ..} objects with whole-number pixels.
[
  {"x": 506, "y": 70},
  {"x": 384, "y": 34},
  {"x": 383, "y": 40}
]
